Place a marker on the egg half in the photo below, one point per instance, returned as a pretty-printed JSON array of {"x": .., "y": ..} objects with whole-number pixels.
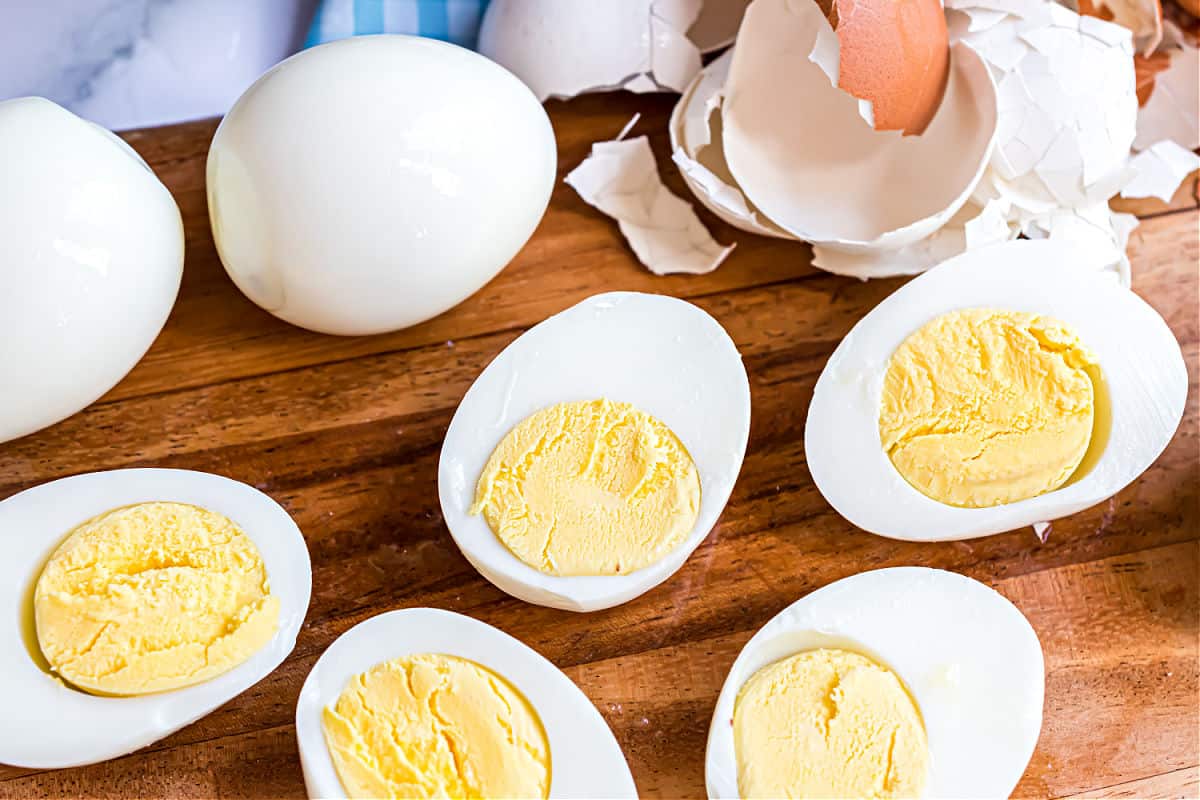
[
  {"x": 93, "y": 257},
  {"x": 371, "y": 183},
  {"x": 665, "y": 357},
  {"x": 32, "y": 525},
  {"x": 1139, "y": 400},
  {"x": 967, "y": 657},
  {"x": 585, "y": 760}
]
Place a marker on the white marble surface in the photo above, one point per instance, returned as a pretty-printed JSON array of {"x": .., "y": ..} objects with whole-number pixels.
[{"x": 137, "y": 63}]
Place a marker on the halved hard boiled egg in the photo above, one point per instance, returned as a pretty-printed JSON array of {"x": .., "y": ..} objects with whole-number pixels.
[
  {"x": 477, "y": 713},
  {"x": 593, "y": 455},
  {"x": 1008, "y": 386},
  {"x": 143, "y": 599},
  {"x": 900, "y": 682}
]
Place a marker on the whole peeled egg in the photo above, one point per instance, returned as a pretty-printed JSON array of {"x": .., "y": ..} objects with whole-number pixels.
[
  {"x": 372, "y": 183},
  {"x": 92, "y": 249}
]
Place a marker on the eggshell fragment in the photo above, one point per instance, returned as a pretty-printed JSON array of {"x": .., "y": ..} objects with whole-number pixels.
[
  {"x": 967, "y": 655},
  {"x": 49, "y": 725},
  {"x": 1143, "y": 370},
  {"x": 621, "y": 179},
  {"x": 1173, "y": 109},
  {"x": 562, "y": 48},
  {"x": 799, "y": 151},
  {"x": 667, "y": 357},
  {"x": 1160, "y": 169},
  {"x": 585, "y": 760},
  {"x": 1143, "y": 18},
  {"x": 717, "y": 25},
  {"x": 896, "y": 55}
]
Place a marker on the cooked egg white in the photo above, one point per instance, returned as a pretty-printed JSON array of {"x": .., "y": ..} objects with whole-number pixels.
[
  {"x": 165, "y": 572},
  {"x": 1010, "y": 385},
  {"x": 589, "y": 488},
  {"x": 900, "y": 682},
  {"x": 598, "y": 449},
  {"x": 431, "y": 725},
  {"x": 428, "y": 703}
]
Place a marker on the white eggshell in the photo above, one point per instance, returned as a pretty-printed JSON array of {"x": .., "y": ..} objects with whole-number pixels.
[
  {"x": 371, "y": 183},
  {"x": 92, "y": 249},
  {"x": 970, "y": 659},
  {"x": 50, "y": 726},
  {"x": 585, "y": 760},
  {"x": 562, "y": 48},
  {"x": 1140, "y": 360},
  {"x": 665, "y": 356},
  {"x": 799, "y": 150}
]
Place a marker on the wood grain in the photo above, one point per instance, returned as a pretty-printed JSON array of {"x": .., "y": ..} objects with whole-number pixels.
[{"x": 345, "y": 433}]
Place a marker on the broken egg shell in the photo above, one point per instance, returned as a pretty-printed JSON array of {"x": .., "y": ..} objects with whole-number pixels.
[
  {"x": 696, "y": 143},
  {"x": 717, "y": 25},
  {"x": 1143, "y": 18},
  {"x": 562, "y": 48},
  {"x": 800, "y": 153},
  {"x": 896, "y": 55},
  {"x": 1173, "y": 108}
]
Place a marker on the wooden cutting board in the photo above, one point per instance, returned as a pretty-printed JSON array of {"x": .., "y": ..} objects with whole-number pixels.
[{"x": 345, "y": 433}]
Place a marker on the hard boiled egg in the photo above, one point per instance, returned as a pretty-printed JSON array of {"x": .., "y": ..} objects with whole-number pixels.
[
  {"x": 371, "y": 183},
  {"x": 50, "y": 725},
  {"x": 1139, "y": 388},
  {"x": 964, "y": 656},
  {"x": 655, "y": 354},
  {"x": 584, "y": 758},
  {"x": 93, "y": 256}
]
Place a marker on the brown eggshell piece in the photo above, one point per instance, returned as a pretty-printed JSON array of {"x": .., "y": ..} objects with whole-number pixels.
[{"x": 896, "y": 54}]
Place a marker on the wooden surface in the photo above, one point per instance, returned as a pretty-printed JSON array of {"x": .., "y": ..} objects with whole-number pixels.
[{"x": 345, "y": 433}]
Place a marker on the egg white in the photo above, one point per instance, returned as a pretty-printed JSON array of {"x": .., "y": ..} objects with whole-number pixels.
[
  {"x": 665, "y": 356},
  {"x": 585, "y": 760},
  {"x": 1143, "y": 371},
  {"x": 48, "y": 725},
  {"x": 969, "y": 658}
]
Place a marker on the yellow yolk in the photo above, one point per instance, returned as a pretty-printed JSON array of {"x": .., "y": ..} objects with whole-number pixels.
[
  {"x": 983, "y": 407},
  {"x": 436, "y": 726},
  {"x": 589, "y": 488},
  {"x": 828, "y": 723},
  {"x": 152, "y": 597}
]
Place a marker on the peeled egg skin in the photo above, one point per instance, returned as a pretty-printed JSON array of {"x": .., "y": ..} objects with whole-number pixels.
[
  {"x": 585, "y": 760},
  {"x": 93, "y": 257},
  {"x": 371, "y": 183},
  {"x": 32, "y": 525},
  {"x": 664, "y": 356},
  {"x": 968, "y": 657},
  {"x": 897, "y": 55},
  {"x": 1139, "y": 404}
]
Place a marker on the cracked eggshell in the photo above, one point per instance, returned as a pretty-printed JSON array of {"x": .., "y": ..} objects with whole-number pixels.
[
  {"x": 585, "y": 759},
  {"x": 697, "y": 146},
  {"x": 717, "y": 25},
  {"x": 1173, "y": 108},
  {"x": 1143, "y": 18},
  {"x": 1144, "y": 388},
  {"x": 33, "y": 524},
  {"x": 92, "y": 248},
  {"x": 800, "y": 152},
  {"x": 562, "y": 48},
  {"x": 663, "y": 355},
  {"x": 968, "y": 657}
]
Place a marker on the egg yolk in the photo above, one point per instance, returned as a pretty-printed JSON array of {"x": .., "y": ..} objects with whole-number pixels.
[
  {"x": 436, "y": 726},
  {"x": 982, "y": 407},
  {"x": 152, "y": 597},
  {"x": 828, "y": 723},
  {"x": 589, "y": 488}
]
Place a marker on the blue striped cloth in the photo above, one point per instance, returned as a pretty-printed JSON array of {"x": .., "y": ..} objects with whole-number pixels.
[{"x": 454, "y": 21}]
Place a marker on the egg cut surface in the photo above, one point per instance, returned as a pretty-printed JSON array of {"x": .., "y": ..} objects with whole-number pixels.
[
  {"x": 189, "y": 587},
  {"x": 899, "y": 682},
  {"x": 92, "y": 248},
  {"x": 152, "y": 597},
  {"x": 1011, "y": 385},
  {"x": 371, "y": 183},
  {"x": 596, "y": 452},
  {"x": 505, "y": 722}
]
